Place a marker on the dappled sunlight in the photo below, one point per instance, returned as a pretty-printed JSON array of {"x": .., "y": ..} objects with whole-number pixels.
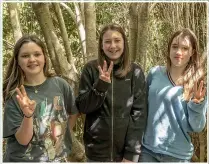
[{"x": 166, "y": 127}]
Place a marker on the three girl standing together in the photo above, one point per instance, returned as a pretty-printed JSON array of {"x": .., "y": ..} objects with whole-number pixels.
[{"x": 114, "y": 96}]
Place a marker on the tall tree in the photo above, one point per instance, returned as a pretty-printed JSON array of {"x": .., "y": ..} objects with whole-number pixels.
[
  {"x": 57, "y": 54},
  {"x": 55, "y": 48},
  {"x": 133, "y": 29},
  {"x": 142, "y": 32},
  {"x": 15, "y": 22},
  {"x": 63, "y": 30},
  {"x": 90, "y": 27},
  {"x": 78, "y": 19}
]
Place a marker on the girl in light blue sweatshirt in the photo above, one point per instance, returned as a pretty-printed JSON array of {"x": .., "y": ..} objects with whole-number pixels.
[{"x": 176, "y": 102}]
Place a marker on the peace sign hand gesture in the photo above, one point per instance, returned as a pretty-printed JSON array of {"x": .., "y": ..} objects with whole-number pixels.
[
  {"x": 199, "y": 93},
  {"x": 104, "y": 74},
  {"x": 27, "y": 106}
]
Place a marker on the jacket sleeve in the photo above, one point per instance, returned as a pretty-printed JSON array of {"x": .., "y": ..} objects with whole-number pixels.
[
  {"x": 138, "y": 117},
  {"x": 197, "y": 115},
  {"x": 91, "y": 93}
]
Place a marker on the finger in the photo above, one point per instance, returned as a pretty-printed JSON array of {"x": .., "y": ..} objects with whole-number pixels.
[
  {"x": 110, "y": 67},
  {"x": 198, "y": 101},
  {"x": 105, "y": 66},
  {"x": 21, "y": 103},
  {"x": 195, "y": 87},
  {"x": 19, "y": 100},
  {"x": 203, "y": 92},
  {"x": 195, "y": 101},
  {"x": 32, "y": 104},
  {"x": 202, "y": 99},
  {"x": 19, "y": 93},
  {"x": 100, "y": 70},
  {"x": 104, "y": 78},
  {"x": 200, "y": 87},
  {"x": 22, "y": 88}
]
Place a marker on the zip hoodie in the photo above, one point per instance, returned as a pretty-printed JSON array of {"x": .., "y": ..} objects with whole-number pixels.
[{"x": 115, "y": 113}]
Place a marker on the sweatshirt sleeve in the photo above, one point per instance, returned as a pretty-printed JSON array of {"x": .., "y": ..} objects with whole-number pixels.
[
  {"x": 197, "y": 115},
  {"x": 91, "y": 92},
  {"x": 138, "y": 118}
]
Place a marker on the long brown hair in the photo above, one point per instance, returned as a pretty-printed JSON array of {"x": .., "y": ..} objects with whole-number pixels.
[
  {"x": 124, "y": 59},
  {"x": 194, "y": 71},
  {"x": 14, "y": 76}
]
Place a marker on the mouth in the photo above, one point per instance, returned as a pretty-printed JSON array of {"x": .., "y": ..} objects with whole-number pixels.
[
  {"x": 178, "y": 57},
  {"x": 113, "y": 52},
  {"x": 32, "y": 65}
]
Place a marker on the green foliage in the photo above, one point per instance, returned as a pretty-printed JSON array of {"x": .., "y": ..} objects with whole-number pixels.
[
  {"x": 164, "y": 19},
  {"x": 112, "y": 13}
]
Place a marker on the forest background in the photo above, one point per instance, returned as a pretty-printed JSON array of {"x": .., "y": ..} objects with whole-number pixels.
[{"x": 70, "y": 31}]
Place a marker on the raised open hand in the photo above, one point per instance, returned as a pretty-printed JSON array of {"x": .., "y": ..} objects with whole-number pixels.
[
  {"x": 199, "y": 93},
  {"x": 27, "y": 106},
  {"x": 104, "y": 74}
]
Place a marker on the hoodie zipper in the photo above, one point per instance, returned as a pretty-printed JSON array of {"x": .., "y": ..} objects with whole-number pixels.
[{"x": 112, "y": 121}]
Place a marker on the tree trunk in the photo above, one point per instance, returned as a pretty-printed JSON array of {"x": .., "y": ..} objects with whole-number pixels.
[
  {"x": 64, "y": 33},
  {"x": 202, "y": 146},
  {"x": 133, "y": 27},
  {"x": 81, "y": 30},
  {"x": 78, "y": 21},
  {"x": 15, "y": 22},
  {"x": 142, "y": 31},
  {"x": 59, "y": 61},
  {"x": 90, "y": 27},
  {"x": 55, "y": 48},
  {"x": 77, "y": 154}
]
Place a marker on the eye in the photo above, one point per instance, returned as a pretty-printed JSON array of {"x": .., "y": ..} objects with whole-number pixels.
[
  {"x": 185, "y": 48},
  {"x": 174, "y": 46},
  {"x": 37, "y": 54},
  {"x": 117, "y": 41},
  {"x": 107, "y": 41},
  {"x": 25, "y": 56}
]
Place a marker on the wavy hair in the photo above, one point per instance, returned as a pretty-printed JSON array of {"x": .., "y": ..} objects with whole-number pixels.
[{"x": 194, "y": 71}]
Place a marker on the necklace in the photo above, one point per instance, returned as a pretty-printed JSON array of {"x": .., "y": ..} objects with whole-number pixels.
[{"x": 35, "y": 89}]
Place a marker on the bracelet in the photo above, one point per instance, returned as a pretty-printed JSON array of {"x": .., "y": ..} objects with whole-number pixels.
[
  {"x": 99, "y": 93},
  {"x": 29, "y": 116}
]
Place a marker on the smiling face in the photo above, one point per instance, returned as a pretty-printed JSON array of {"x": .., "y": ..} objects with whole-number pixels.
[
  {"x": 113, "y": 45},
  {"x": 180, "y": 51},
  {"x": 31, "y": 59}
]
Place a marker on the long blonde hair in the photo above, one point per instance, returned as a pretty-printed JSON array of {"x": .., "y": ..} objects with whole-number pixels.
[{"x": 194, "y": 71}]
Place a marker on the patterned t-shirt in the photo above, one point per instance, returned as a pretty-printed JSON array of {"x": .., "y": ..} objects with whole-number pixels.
[{"x": 51, "y": 139}]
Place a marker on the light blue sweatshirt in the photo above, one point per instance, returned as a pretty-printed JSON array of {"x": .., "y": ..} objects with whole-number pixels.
[{"x": 170, "y": 118}]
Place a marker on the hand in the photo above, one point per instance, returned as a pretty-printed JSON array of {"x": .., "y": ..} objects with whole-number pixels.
[
  {"x": 125, "y": 160},
  {"x": 27, "y": 106},
  {"x": 199, "y": 93},
  {"x": 104, "y": 74}
]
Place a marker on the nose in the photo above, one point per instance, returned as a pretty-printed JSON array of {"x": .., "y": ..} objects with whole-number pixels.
[
  {"x": 31, "y": 58},
  {"x": 179, "y": 52},
  {"x": 113, "y": 45}
]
